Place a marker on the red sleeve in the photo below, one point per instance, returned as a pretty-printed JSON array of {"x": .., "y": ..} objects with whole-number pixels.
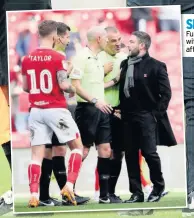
[
  {"x": 61, "y": 64},
  {"x": 13, "y": 76},
  {"x": 24, "y": 63}
]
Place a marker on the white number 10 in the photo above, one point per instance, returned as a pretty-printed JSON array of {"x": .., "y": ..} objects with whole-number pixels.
[{"x": 43, "y": 73}]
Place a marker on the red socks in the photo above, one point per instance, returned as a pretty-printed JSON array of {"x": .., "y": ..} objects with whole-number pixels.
[
  {"x": 34, "y": 173},
  {"x": 97, "y": 186},
  {"x": 75, "y": 162},
  {"x": 144, "y": 182}
]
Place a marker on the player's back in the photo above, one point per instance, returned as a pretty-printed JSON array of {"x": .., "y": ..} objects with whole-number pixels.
[{"x": 41, "y": 67}]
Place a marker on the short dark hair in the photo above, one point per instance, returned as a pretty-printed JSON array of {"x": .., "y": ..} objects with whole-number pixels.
[
  {"x": 46, "y": 27},
  {"x": 143, "y": 37},
  {"x": 62, "y": 28}
]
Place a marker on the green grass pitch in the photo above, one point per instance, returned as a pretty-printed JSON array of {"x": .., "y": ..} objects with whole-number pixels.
[
  {"x": 170, "y": 200},
  {"x": 173, "y": 199}
]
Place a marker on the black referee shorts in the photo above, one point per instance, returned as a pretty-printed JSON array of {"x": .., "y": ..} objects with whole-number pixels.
[
  {"x": 117, "y": 131},
  {"x": 94, "y": 125},
  {"x": 55, "y": 141}
]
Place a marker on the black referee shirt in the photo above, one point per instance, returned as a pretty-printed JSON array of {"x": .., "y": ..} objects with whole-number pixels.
[
  {"x": 14, "y": 5},
  {"x": 187, "y": 6}
]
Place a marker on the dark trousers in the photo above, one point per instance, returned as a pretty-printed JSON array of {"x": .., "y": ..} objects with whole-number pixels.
[
  {"x": 140, "y": 133},
  {"x": 188, "y": 76}
]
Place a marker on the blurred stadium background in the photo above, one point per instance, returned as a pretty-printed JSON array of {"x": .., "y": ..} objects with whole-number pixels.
[{"x": 162, "y": 23}]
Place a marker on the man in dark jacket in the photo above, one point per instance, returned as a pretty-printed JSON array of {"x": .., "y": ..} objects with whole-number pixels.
[
  {"x": 4, "y": 107},
  {"x": 187, "y": 7},
  {"x": 145, "y": 93}
]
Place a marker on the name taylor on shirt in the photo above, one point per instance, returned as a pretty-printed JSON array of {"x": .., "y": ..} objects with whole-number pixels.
[{"x": 40, "y": 58}]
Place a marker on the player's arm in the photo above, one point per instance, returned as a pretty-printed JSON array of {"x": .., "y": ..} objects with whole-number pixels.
[
  {"x": 25, "y": 84},
  {"x": 63, "y": 83},
  {"x": 24, "y": 77}
]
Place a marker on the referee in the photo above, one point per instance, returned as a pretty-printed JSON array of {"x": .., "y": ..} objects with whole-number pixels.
[{"x": 92, "y": 112}]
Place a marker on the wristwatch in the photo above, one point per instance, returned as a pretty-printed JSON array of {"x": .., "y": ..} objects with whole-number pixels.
[
  {"x": 115, "y": 80},
  {"x": 94, "y": 101}
]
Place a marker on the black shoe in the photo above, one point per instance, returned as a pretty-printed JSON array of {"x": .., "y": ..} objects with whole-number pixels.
[
  {"x": 164, "y": 193},
  {"x": 81, "y": 200},
  {"x": 50, "y": 202},
  {"x": 104, "y": 200},
  {"x": 115, "y": 199},
  {"x": 65, "y": 201},
  {"x": 155, "y": 196},
  {"x": 135, "y": 198}
]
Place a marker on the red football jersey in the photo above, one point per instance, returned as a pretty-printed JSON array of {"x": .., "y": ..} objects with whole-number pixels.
[{"x": 41, "y": 67}]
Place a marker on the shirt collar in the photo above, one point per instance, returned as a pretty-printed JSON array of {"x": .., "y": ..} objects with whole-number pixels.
[{"x": 91, "y": 54}]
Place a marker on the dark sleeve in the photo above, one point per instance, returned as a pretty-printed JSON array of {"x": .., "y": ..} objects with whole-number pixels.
[
  {"x": 147, "y": 2},
  {"x": 49, "y": 5},
  {"x": 187, "y": 6},
  {"x": 3, "y": 45},
  {"x": 14, "y": 5},
  {"x": 132, "y": 3},
  {"x": 164, "y": 88},
  {"x": 122, "y": 64}
]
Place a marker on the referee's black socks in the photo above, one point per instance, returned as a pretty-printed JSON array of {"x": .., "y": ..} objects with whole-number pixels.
[
  {"x": 59, "y": 170},
  {"x": 103, "y": 167},
  {"x": 45, "y": 179},
  {"x": 115, "y": 169},
  {"x": 57, "y": 165}
]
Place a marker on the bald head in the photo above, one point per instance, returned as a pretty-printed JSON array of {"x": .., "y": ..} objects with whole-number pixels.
[
  {"x": 97, "y": 37},
  {"x": 111, "y": 29},
  {"x": 95, "y": 32}
]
